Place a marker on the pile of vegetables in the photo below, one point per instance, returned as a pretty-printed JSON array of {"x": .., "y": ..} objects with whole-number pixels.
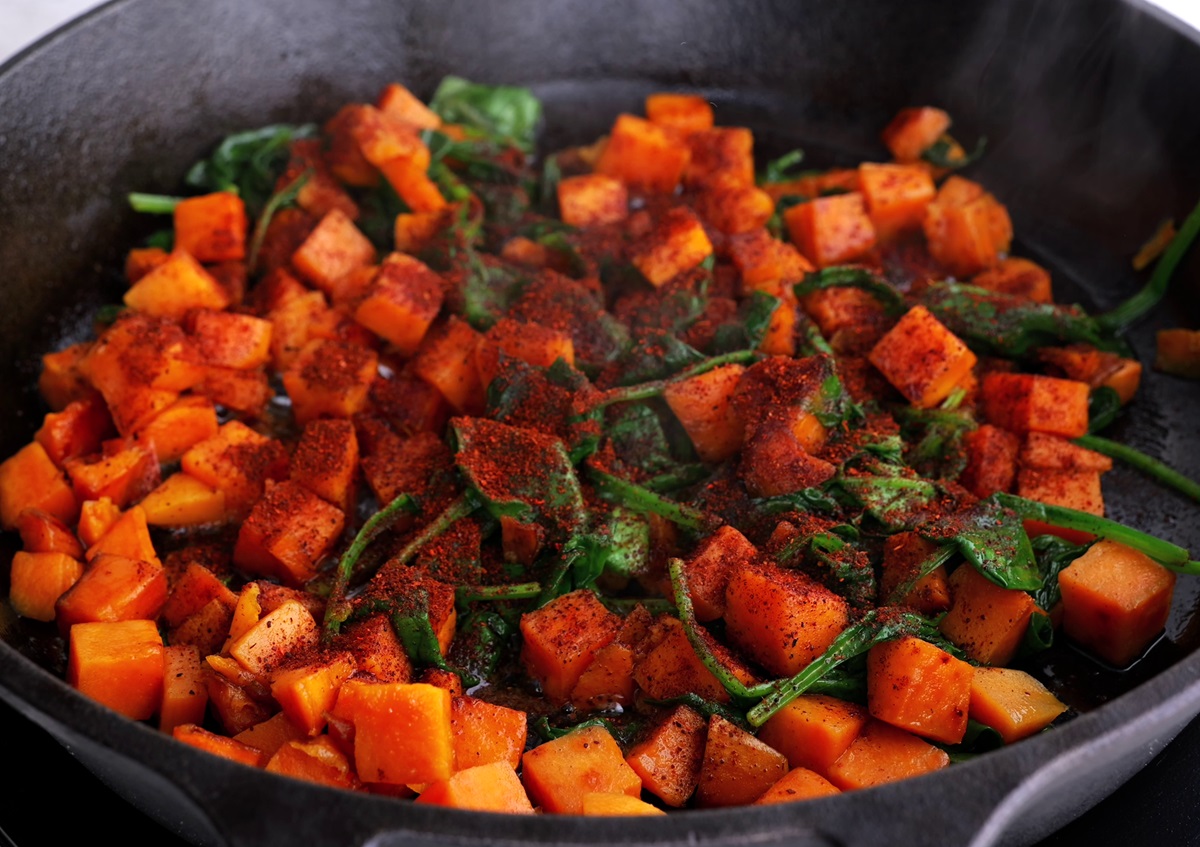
[{"x": 628, "y": 480}]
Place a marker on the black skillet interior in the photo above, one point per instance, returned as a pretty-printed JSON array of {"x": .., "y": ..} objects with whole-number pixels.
[{"x": 1087, "y": 107}]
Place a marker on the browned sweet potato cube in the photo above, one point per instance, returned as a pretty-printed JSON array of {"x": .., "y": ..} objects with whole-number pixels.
[{"x": 287, "y": 534}]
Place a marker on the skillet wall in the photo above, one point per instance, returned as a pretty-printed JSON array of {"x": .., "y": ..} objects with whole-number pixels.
[{"x": 1081, "y": 103}]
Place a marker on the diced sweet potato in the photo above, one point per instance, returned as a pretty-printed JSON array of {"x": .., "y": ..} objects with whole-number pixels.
[
  {"x": 330, "y": 379},
  {"x": 915, "y": 130},
  {"x": 400, "y": 104},
  {"x": 709, "y": 569},
  {"x": 96, "y": 517},
  {"x": 831, "y": 230},
  {"x": 685, "y": 113},
  {"x": 30, "y": 480},
  {"x": 493, "y": 787},
  {"x": 1075, "y": 489},
  {"x": 814, "y": 730},
  {"x": 922, "y": 359},
  {"x": 41, "y": 532},
  {"x": 1052, "y": 452},
  {"x": 62, "y": 379},
  {"x": 331, "y": 251},
  {"x": 446, "y": 361},
  {"x": 176, "y": 286},
  {"x": 1012, "y": 702},
  {"x": 1177, "y": 352},
  {"x": 1116, "y": 600},
  {"x": 128, "y": 536},
  {"x": 722, "y": 155},
  {"x": 317, "y": 760},
  {"x": 407, "y": 175},
  {"x": 182, "y": 500},
  {"x": 118, "y": 664},
  {"x": 774, "y": 460},
  {"x": 797, "y": 784},
  {"x": 289, "y": 531},
  {"x": 423, "y": 752},
  {"x": 900, "y": 582},
  {"x": 643, "y": 155},
  {"x": 1018, "y": 277},
  {"x": 991, "y": 460},
  {"x": 271, "y": 734},
  {"x": 325, "y": 462},
  {"x": 486, "y": 733},
  {"x": 988, "y": 622},
  {"x": 704, "y": 406},
  {"x": 737, "y": 768},
  {"x": 1030, "y": 403},
  {"x": 532, "y": 343},
  {"x": 277, "y": 635},
  {"x": 763, "y": 259},
  {"x": 668, "y": 758},
  {"x": 882, "y": 753},
  {"x": 308, "y": 691},
  {"x": 37, "y": 580},
  {"x": 561, "y": 640},
  {"x": 608, "y": 680},
  {"x": 966, "y": 228},
  {"x": 677, "y": 243},
  {"x": 734, "y": 209},
  {"x": 77, "y": 430},
  {"x": 113, "y": 588},
  {"x": 592, "y": 200},
  {"x": 605, "y": 804},
  {"x": 781, "y": 618},
  {"x": 219, "y": 745},
  {"x": 185, "y": 696},
  {"x": 895, "y": 197},
  {"x": 913, "y": 685},
  {"x": 671, "y": 668},
  {"x": 212, "y": 227},
  {"x": 124, "y": 475},
  {"x": 402, "y": 302},
  {"x": 178, "y": 428},
  {"x": 230, "y": 339},
  {"x": 237, "y": 461},
  {"x": 558, "y": 773}
]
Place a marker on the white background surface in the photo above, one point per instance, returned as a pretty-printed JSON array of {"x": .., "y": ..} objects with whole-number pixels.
[{"x": 24, "y": 21}]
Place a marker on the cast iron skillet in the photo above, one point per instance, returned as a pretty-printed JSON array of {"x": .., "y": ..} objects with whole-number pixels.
[{"x": 1090, "y": 113}]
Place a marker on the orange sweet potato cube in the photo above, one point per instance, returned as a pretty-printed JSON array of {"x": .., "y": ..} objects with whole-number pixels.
[
  {"x": 1116, "y": 600},
  {"x": 325, "y": 462},
  {"x": 685, "y": 113},
  {"x": 831, "y": 230},
  {"x": 270, "y": 735},
  {"x": 407, "y": 174},
  {"x": 271, "y": 640},
  {"x": 37, "y": 580},
  {"x": 914, "y": 685},
  {"x": 118, "y": 664},
  {"x": 318, "y": 760},
  {"x": 781, "y": 618},
  {"x": 991, "y": 460},
  {"x": 124, "y": 475},
  {"x": 493, "y": 787},
  {"x": 966, "y": 228},
  {"x": 77, "y": 430},
  {"x": 704, "y": 405},
  {"x": 400, "y": 104},
  {"x": 1075, "y": 489},
  {"x": 643, "y": 155},
  {"x": 709, "y": 568},
  {"x": 62, "y": 379},
  {"x": 900, "y": 583},
  {"x": 177, "y": 428},
  {"x": 192, "y": 590},
  {"x": 185, "y": 696},
  {"x": 237, "y": 461},
  {"x": 766, "y": 261},
  {"x": 402, "y": 302},
  {"x": 446, "y": 360},
  {"x": 922, "y": 359},
  {"x": 1018, "y": 277},
  {"x": 231, "y": 339},
  {"x": 814, "y": 730},
  {"x": 913, "y": 131},
  {"x": 561, "y": 639},
  {"x": 896, "y": 197},
  {"x": 592, "y": 200},
  {"x": 668, "y": 758},
  {"x": 41, "y": 532},
  {"x": 797, "y": 784},
  {"x": 986, "y": 621},
  {"x": 212, "y": 227},
  {"x": 128, "y": 536},
  {"x": 671, "y": 668},
  {"x": 737, "y": 768},
  {"x": 402, "y": 732},
  {"x": 173, "y": 288},
  {"x": 113, "y": 588},
  {"x": 532, "y": 343},
  {"x": 307, "y": 692},
  {"x": 289, "y": 531},
  {"x": 219, "y": 745},
  {"x": 332, "y": 250},
  {"x": 30, "y": 480},
  {"x": 881, "y": 754},
  {"x": 605, "y": 804},
  {"x": 485, "y": 733},
  {"x": 558, "y": 773},
  {"x": 1032, "y": 403},
  {"x": 1012, "y": 702},
  {"x": 735, "y": 209},
  {"x": 141, "y": 260},
  {"x": 677, "y": 243},
  {"x": 96, "y": 517},
  {"x": 722, "y": 155},
  {"x": 774, "y": 461},
  {"x": 382, "y": 138},
  {"x": 330, "y": 379},
  {"x": 414, "y": 231}
]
